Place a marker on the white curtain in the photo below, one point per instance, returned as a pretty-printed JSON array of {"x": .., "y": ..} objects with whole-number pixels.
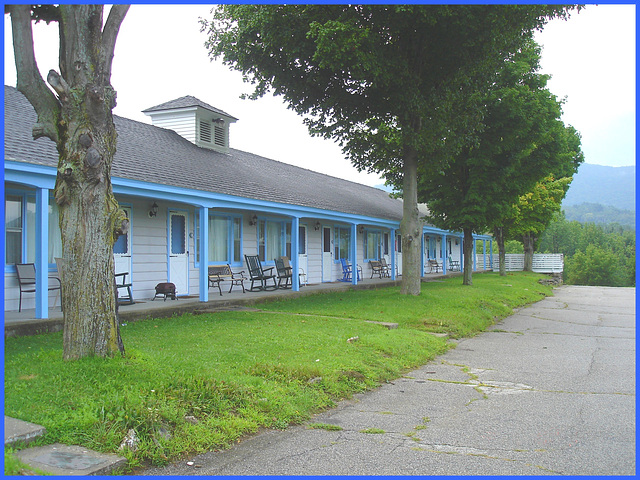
[
  {"x": 218, "y": 239},
  {"x": 55, "y": 237},
  {"x": 274, "y": 239}
]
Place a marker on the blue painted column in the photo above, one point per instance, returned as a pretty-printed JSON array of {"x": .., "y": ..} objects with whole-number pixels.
[
  {"x": 484, "y": 254},
  {"x": 354, "y": 254},
  {"x": 421, "y": 255},
  {"x": 203, "y": 223},
  {"x": 444, "y": 254},
  {"x": 392, "y": 236},
  {"x": 475, "y": 267},
  {"x": 491, "y": 254},
  {"x": 461, "y": 253},
  {"x": 295, "y": 254},
  {"x": 42, "y": 253}
]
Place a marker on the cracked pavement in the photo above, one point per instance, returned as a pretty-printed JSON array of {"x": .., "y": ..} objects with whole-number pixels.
[{"x": 549, "y": 390}]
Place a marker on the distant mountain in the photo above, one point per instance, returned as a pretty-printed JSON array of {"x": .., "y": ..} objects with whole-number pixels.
[
  {"x": 614, "y": 186},
  {"x": 600, "y": 214}
]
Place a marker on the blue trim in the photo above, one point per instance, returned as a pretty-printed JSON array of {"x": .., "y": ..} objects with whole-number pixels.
[
  {"x": 42, "y": 253},
  {"x": 203, "y": 221}
]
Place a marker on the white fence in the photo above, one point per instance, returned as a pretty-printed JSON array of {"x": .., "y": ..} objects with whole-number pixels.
[{"x": 542, "y": 262}]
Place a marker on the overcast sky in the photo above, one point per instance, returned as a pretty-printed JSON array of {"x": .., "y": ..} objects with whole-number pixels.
[{"x": 160, "y": 56}]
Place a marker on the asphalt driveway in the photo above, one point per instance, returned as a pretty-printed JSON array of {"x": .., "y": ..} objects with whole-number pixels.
[{"x": 549, "y": 390}]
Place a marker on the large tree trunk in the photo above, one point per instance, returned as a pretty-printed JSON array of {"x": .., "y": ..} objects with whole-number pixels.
[
  {"x": 528, "y": 240},
  {"x": 467, "y": 278},
  {"x": 410, "y": 227},
  {"x": 79, "y": 119},
  {"x": 498, "y": 233}
]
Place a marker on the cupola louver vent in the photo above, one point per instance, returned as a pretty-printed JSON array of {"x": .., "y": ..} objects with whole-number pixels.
[{"x": 205, "y": 132}]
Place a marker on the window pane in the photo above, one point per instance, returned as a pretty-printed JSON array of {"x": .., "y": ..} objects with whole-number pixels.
[
  {"x": 262, "y": 240},
  {"x": 274, "y": 240},
  {"x": 218, "y": 239},
  {"x": 31, "y": 229},
  {"x": 55, "y": 239},
  {"x": 237, "y": 239},
  {"x": 178, "y": 234},
  {"x": 13, "y": 229},
  {"x": 302, "y": 240}
]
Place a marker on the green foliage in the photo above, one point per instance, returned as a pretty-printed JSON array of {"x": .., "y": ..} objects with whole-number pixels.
[
  {"x": 521, "y": 142},
  {"x": 600, "y": 214},
  {"x": 594, "y": 254},
  {"x": 194, "y": 383}
]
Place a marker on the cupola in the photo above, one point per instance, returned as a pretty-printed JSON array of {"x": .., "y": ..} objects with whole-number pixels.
[{"x": 198, "y": 122}]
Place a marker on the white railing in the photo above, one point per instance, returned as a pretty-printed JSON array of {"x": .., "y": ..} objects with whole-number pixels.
[{"x": 542, "y": 262}]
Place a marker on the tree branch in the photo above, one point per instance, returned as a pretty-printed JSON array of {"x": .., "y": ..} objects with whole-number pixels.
[
  {"x": 29, "y": 79},
  {"x": 110, "y": 33}
]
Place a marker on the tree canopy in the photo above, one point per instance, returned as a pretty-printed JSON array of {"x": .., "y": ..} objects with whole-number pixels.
[{"x": 392, "y": 84}]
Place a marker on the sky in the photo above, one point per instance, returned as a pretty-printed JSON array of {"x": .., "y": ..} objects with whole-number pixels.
[{"x": 160, "y": 56}]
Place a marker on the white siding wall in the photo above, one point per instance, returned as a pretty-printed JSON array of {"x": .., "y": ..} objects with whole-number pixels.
[{"x": 183, "y": 123}]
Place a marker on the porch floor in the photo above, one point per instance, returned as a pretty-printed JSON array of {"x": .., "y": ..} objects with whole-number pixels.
[{"x": 24, "y": 323}]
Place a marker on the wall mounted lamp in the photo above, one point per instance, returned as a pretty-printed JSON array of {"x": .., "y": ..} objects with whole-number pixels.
[
  {"x": 253, "y": 220},
  {"x": 361, "y": 229},
  {"x": 316, "y": 227},
  {"x": 218, "y": 121},
  {"x": 154, "y": 210}
]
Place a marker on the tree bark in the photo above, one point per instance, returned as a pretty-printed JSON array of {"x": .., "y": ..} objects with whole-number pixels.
[
  {"x": 410, "y": 226},
  {"x": 528, "y": 240},
  {"x": 79, "y": 119},
  {"x": 498, "y": 233},
  {"x": 467, "y": 278}
]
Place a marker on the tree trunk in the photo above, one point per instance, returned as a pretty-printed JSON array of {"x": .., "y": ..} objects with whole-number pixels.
[
  {"x": 468, "y": 257},
  {"x": 89, "y": 217},
  {"x": 498, "y": 233},
  {"x": 410, "y": 227},
  {"x": 528, "y": 240},
  {"x": 79, "y": 119}
]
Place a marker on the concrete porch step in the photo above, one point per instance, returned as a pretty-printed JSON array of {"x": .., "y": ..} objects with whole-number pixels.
[{"x": 57, "y": 459}]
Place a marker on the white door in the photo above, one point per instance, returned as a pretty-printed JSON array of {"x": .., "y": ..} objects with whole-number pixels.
[
  {"x": 303, "y": 263},
  {"x": 327, "y": 253},
  {"x": 178, "y": 253}
]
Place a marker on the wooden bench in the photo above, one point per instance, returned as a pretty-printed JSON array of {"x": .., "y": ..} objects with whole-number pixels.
[
  {"x": 222, "y": 273},
  {"x": 434, "y": 266}
]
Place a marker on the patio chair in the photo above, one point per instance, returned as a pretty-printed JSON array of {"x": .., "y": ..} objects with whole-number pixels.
[
  {"x": 386, "y": 268},
  {"x": 221, "y": 273},
  {"x": 259, "y": 274},
  {"x": 376, "y": 268},
  {"x": 433, "y": 265},
  {"x": 26, "y": 274},
  {"x": 284, "y": 273},
  {"x": 347, "y": 271},
  {"x": 301, "y": 273},
  {"x": 454, "y": 265},
  {"x": 121, "y": 282}
]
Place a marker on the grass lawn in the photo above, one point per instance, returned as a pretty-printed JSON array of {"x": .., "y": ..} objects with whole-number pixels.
[{"x": 194, "y": 383}]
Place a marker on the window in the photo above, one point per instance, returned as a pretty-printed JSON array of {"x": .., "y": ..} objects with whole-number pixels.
[
  {"x": 385, "y": 243},
  {"x": 399, "y": 243},
  {"x": 20, "y": 229},
  {"x": 342, "y": 243},
  {"x": 372, "y": 245},
  {"x": 270, "y": 239},
  {"x": 225, "y": 239},
  {"x": 302, "y": 240}
]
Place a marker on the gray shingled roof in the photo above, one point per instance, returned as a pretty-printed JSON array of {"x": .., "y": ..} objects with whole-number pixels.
[
  {"x": 185, "y": 102},
  {"x": 152, "y": 154}
]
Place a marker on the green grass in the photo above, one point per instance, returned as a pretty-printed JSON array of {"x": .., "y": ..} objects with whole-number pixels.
[{"x": 194, "y": 383}]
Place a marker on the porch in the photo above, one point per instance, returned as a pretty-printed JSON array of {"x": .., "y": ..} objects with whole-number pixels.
[{"x": 24, "y": 323}]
